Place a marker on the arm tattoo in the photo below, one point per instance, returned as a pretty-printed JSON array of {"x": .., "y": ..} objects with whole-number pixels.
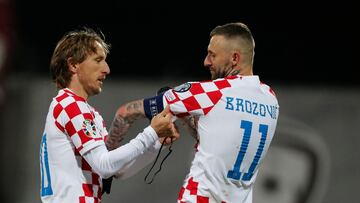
[
  {"x": 135, "y": 110},
  {"x": 190, "y": 124},
  {"x": 125, "y": 116},
  {"x": 118, "y": 129}
]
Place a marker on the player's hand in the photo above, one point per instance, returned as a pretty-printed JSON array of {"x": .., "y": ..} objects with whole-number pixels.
[
  {"x": 163, "y": 125},
  {"x": 168, "y": 140}
]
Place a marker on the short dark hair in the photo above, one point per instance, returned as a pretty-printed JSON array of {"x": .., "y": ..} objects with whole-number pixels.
[
  {"x": 233, "y": 31},
  {"x": 77, "y": 44},
  {"x": 230, "y": 30}
]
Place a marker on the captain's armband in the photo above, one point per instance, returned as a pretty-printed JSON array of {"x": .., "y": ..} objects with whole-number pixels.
[{"x": 153, "y": 106}]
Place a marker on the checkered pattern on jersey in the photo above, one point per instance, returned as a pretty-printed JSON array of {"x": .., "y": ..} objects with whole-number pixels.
[
  {"x": 92, "y": 187},
  {"x": 70, "y": 113},
  {"x": 199, "y": 99},
  {"x": 190, "y": 193}
]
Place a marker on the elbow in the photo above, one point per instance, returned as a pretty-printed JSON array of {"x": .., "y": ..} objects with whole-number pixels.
[
  {"x": 104, "y": 173},
  {"x": 103, "y": 166},
  {"x": 122, "y": 112}
]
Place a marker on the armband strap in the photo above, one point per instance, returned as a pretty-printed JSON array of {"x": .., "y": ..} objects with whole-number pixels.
[
  {"x": 153, "y": 106},
  {"x": 107, "y": 185}
]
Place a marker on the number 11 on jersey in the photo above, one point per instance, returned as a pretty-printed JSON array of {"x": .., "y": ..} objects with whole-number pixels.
[{"x": 235, "y": 172}]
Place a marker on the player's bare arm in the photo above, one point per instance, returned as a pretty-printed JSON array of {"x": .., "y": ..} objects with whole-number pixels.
[
  {"x": 190, "y": 124},
  {"x": 124, "y": 117}
]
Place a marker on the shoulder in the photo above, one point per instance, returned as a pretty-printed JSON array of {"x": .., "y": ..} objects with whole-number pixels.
[
  {"x": 69, "y": 104},
  {"x": 268, "y": 89},
  {"x": 204, "y": 85}
]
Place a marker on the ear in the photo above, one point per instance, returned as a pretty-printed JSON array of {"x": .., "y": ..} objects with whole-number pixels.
[
  {"x": 73, "y": 67},
  {"x": 235, "y": 60}
]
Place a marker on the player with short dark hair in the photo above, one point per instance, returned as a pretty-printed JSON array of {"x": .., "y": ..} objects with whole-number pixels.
[{"x": 234, "y": 117}]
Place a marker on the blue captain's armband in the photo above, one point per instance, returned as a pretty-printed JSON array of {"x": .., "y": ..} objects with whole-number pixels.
[{"x": 153, "y": 106}]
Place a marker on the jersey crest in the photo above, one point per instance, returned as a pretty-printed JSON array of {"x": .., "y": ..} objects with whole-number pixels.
[
  {"x": 89, "y": 128},
  {"x": 183, "y": 87}
]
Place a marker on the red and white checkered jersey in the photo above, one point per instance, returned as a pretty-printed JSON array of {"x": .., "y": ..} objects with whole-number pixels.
[
  {"x": 72, "y": 128},
  {"x": 237, "y": 121}
]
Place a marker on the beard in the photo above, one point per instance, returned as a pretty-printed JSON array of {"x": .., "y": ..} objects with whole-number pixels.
[
  {"x": 220, "y": 72},
  {"x": 93, "y": 90}
]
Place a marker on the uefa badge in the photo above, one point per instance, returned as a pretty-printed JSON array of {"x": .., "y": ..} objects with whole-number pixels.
[
  {"x": 183, "y": 87},
  {"x": 89, "y": 128}
]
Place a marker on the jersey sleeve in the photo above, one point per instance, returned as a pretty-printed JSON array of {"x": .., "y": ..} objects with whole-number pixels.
[
  {"x": 77, "y": 120},
  {"x": 195, "y": 98}
]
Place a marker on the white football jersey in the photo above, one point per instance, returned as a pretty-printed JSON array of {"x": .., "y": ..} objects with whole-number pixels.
[
  {"x": 237, "y": 121},
  {"x": 72, "y": 128}
]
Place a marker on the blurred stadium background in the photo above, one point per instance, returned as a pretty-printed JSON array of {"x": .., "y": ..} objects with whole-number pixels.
[{"x": 305, "y": 51}]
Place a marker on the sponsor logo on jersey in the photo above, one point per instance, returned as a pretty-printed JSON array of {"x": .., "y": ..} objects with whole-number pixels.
[
  {"x": 89, "y": 128},
  {"x": 182, "y": 88}
]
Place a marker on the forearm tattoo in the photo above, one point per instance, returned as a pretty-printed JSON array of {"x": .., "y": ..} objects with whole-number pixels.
[
  {"x": 125, "y": 116},
  {"x": 135, "y": 110},
  {"x": 118, "y": 129}
]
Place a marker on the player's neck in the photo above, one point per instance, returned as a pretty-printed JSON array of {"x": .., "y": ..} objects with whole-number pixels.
[
  {"x": 78, "y": 89},
  {"x": 244, "y": 72}
]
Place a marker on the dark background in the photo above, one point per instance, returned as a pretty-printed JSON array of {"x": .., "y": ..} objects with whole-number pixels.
[{"x": 296, "y": 43}]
